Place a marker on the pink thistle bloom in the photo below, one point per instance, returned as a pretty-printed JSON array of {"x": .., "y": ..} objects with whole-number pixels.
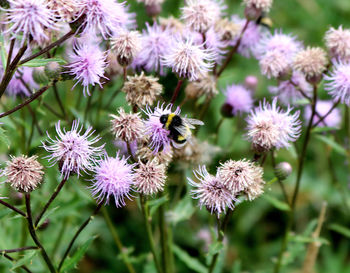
[
  {"x": 31, "y": 18},
  {"x": 288, "y": 93},
  {"x": 113, "y": 177},
  {"x": 269, "y": 126},
  {"x": 287, "y": 45},
  {"x": 87, "y": 65},
  {"x": 338, "y": 82},
  {"x": 154, "y": 129},
  {"x": 200, "y": 15},
  {"x": 189, "y": 60},
  {"x": 72, "y": 150},
  {"x": 338, "y": 43},
  {"x": 322, "y": 108},
  {"x": 211, "y": 192},
  {"x": 105, "y": 15},
  {"x": 273, "y": 64},
  {"x": 239, "y": 98},
  {"x": 155, "y": 43},
  {"x": 215, "y": 44}
]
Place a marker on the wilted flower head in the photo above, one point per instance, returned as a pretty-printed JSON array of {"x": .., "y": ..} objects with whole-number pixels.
[
  {"x": 269, "y": 126},
  {"x": 239, "y": 98},
  {"x": 65, "y": 9},
  {"x": 24, "y": 173},
  {"x": 203, "y": 86},
  {"x": 238, "y": 176},
  {"x": 155, "y": 43},
  {"x": 142, "y": 90},
  {"x": 172, "y": 24},
  {"x": 150, "y": 177},
  {"x": 322, "y": 108},
  {"x": 113, "y": 178},
  {"x": 31, "y": 18},
  {"x": 127, "y": 127},
  {"x": 165, "y": 156},
  {"x": 72, "y": 150},
  {"x": 107, "y": 16},
  {"x": 286, "y": 44},
  {"x": 263, "y": 5},
  {"x": 200, "y": 15},
  {"x": 273, "y": 64},
  {"x": 154, "y": 129},
  {"x": 338, "y": 82},
  {"x": 87, "y": 65},
  {"x": 211, "y": 192},
  {"x": 189, "y": 60},
  {"x": 288, "y": 91},
  {"x": 226, "y": 29},
  {"x": 338, "y": 43},
  {"x": 126, "y": 46},
  {"x": 311, "y": 62}
]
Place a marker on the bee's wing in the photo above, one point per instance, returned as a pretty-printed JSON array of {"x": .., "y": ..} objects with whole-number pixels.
[
  {"x": 183, "y": 130},
  {"x": 178, "y": 145},
  {"x": 192, "y": 121}
]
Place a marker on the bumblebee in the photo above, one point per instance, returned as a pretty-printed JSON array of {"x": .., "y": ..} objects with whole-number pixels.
[
  {"x": 179, "y": 128},
  {"x": 264, "y": 21}
]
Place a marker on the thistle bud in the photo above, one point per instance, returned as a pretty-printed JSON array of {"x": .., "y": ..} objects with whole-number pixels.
[
  {"x": 153, "y": 10},
  {"x": 39, "y": 75},
  {"x": 227, "y": 110},
  {"x": 283, "y": 170},
  {"x": 53, "y": 70},
  {"x": 45, "y": 224},
  {"x": 251, "y": 82}
]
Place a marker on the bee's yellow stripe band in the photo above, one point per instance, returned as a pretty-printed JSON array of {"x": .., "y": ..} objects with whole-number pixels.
[{"x": 170, "y": 118}]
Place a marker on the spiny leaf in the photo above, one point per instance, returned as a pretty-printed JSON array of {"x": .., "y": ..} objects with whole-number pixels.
[
  {"x": 340, "y": 229},
  {"x": 29, "y": 255},
  {"x": 43, "y": 62},
  {"x": 330, "y": 141}
]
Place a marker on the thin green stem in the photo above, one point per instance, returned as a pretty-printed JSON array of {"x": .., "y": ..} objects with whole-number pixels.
[
  {"x": 117, "y": 241},
  {"x": 17, "y": 249},
  {"x": 148, "y": 224}
]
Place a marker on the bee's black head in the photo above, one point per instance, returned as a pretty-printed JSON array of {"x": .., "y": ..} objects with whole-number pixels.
[{"x": 163, "y": 119}]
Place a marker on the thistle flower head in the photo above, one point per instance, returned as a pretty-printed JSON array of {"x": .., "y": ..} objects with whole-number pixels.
[
  {"x": 127, "y": 127},
  {"x": 126, "y": 46},
  {"x": 107, "y": 16},
  {"x": 113, "y": 178},
  {"x": 142, "y": 90},
  {"x": 288, "y": 91},
  {"x": 203, "y": 86},
  {"x": 311, "y": 62},
  {"x": 154, "y": 129},
  {"x": 65, "y": 9},
  {"x": 87, "y": 65},
  {"x": 150, "y": 177},
  {"x": 155, "y": 44},
  {"x": 200, "y": 15},
  {"x": 211, "y": 192},
  {"x": 239, "y": 98},
  {"x": 338, "y": 82},
  {"x": 238, "y": 176},
  {"x": 273, "y": 64},
  {"x": 172, "y": 24},
  {"x": 31, "y": 18},
  {"x": 338, "y": 43},
  {"x": 269, "y": 126},
  {"x": 263, "y": 5},
  {"x": 24, "y": 173},
  {"x": 189, "y": 60},
  {"x": 164, "y": 157},
  {"x": 226, "y": 29},
  {"x": 322, "y": 108},
  {"x": 74, "y": 151}
]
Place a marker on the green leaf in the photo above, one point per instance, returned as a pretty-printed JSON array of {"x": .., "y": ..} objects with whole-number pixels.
[
  {"x": 190, "y": 262},
  {"x": 27, "y": 258},
  {"x": 215, "y": 248},
  {"x": 340, "y": 229},
  {"x": 323, "y": 129},
  {"x": 43, "y": 62},
  {"x": 70, "y": 263},
  {"x": 307, "y": 239},
  {"x": 330, "y": 141},
  {"x": 182, "y": 211},
  {"x": 276, "y": 203},
  {"x": 156, "y": 203},
  {"x": 4, "y": 138}
]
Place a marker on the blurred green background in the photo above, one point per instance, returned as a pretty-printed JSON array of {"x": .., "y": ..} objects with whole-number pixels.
[{"x": 254, "y": 233}]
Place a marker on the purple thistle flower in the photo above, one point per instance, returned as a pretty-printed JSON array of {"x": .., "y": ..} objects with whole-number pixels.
[
  {"x": 338, "y": 82},
  {"x": 74, "y": 151},
  {"x": 155, "y": 44},
  {"x": 239, "y": 98},
  {"x": 87, "y": 65},
  {"x": 159, "y": 136},
  {"x": 113, "y": 177},
  {"x": 269, "y": 126},
  {"x": 287, "y": 92},
  {"x": 322, "y": 108},
  {"x": 250, "y": 39},
  {"x": 189, "y": 60},
  {"x": 105, "y": 15},
  {"x": 211, "y": 192},
  {"x": 31, "y": 18},
  {"x": 288, "y": 45}
]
